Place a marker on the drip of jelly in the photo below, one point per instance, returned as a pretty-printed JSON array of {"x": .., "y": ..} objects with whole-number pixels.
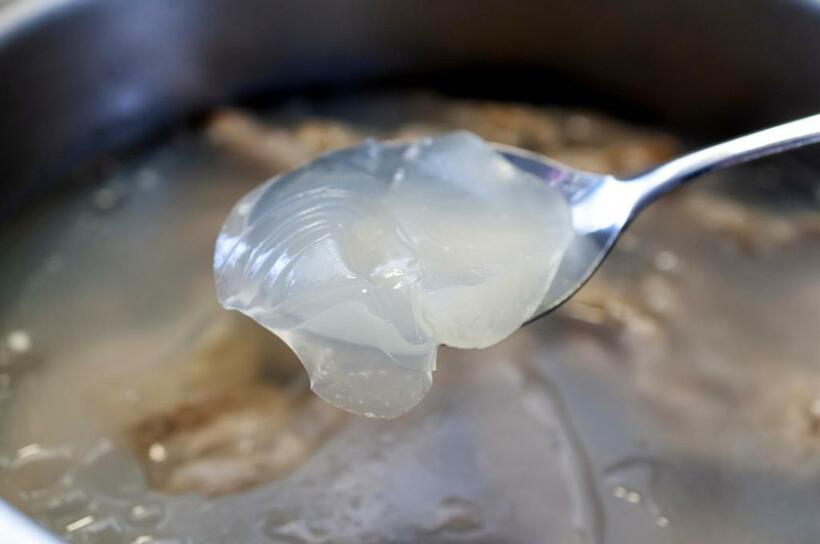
[{"x": 366, "y": 259}]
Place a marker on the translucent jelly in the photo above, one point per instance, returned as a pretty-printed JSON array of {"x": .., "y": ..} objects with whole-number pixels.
[{"x": 366, "y": 259}]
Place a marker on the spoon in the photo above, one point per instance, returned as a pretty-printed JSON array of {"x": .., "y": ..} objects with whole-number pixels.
[{"x": 603, "y": 205}]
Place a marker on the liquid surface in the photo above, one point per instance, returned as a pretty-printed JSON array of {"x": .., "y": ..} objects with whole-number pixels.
[
  {"x": 673, "y": 400},
  {"x": 367, "y": 259}
]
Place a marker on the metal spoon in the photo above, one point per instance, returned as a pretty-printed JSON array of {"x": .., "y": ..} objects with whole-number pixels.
[{"x": 603, "y": 205}]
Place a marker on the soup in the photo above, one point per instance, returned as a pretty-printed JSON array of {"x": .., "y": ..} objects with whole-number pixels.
[{"x": 676, "y": 396}]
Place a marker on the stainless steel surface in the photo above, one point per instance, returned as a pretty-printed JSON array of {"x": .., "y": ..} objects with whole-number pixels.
[
  {"x": 602, "y": 205},
  {"x": 18, "y": 529},
  {"x": 86, "y": 76}
]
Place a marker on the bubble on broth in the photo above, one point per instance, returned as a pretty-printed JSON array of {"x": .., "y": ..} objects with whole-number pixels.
[
  {"x": 288, "y": 528},
  {"x": 456, "y": 515},
  {"x": 151, "y": 539},
  {"x": 146, "y": 514},
  {"x": 19, "y": 341},
  {"x": 36, "y": 467},
  {"x": 367, "y": 259},
  {"x": 93, "y": 530},
  {"x": 635, "y": 481}
]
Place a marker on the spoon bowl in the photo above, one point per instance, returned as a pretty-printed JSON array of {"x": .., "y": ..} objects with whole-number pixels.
[
  {"x": 603, "y": 205},
  {"x": 597, "y": 220}
]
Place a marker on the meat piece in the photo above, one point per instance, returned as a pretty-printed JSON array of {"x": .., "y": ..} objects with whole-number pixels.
[
  {"x": 228, "y": 443},
  {"x": 274, "y": 148}
]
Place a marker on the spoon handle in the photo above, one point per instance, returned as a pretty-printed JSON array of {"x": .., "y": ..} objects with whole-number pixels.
[{"x": 669, "y": 175}]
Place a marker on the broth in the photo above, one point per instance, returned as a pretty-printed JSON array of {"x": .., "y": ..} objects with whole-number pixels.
[{"x": 674, "y": 398}]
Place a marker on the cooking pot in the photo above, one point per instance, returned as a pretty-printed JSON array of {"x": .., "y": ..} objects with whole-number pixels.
[{"x": 83, "y": 78}]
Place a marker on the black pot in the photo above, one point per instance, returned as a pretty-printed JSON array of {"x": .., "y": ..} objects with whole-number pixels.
[{"x": 83, "y": 77}]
